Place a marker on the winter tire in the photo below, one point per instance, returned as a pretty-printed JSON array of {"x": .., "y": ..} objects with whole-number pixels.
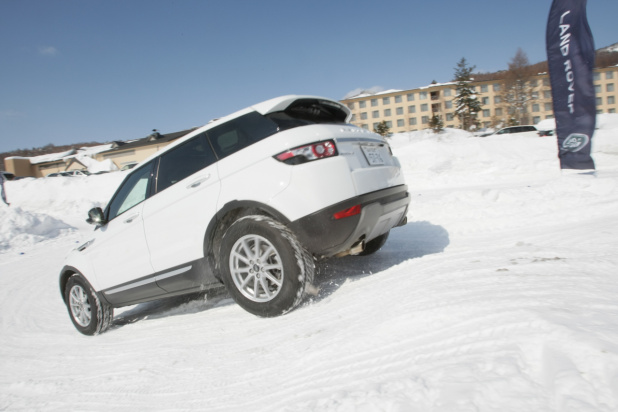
[
  {"x": 88, "y": 313},
  {"x": 374, "y": 245},
  {"x": 264, "y": 267}
]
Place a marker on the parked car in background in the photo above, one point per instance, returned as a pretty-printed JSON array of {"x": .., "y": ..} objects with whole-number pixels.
[
  {"x": 79, "y": 173},
  {"x": 546, "y": 133},
  {"x": 59, "y": 174},
  {"x": 128, "y": 167},
  {"x": 249, "y": 201},
  {"x": 514, "y": 129},
  {"x": 7, "y": 175}
]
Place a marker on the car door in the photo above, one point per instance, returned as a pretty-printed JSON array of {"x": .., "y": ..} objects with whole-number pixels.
[
  {"x": 185, "y": 199},
  {"x": 119, "y": 253}
]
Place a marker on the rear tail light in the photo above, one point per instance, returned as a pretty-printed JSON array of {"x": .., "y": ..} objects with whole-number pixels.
[
  {"x": 308, "y": 153},
  {"x": 351, "y": 211}
]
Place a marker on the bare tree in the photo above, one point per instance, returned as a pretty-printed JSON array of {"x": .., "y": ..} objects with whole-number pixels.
[{"x": 516, "y": 90}]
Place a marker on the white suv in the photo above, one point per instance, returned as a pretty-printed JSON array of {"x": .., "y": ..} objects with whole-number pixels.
[{"x": 250, "y": 201}]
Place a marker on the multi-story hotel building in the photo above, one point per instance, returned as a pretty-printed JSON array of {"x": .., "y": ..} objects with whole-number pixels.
[{"x": 410, "y": 110}]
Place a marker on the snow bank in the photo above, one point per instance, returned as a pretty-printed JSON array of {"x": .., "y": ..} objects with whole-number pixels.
[{"x": 22, "y": 228}]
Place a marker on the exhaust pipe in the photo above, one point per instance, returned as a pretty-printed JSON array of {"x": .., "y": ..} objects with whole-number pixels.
[{"x": 354, "y": 250}]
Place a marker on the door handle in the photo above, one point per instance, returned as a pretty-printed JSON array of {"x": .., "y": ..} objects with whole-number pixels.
[
  {"x": 198, "y": 182},
  {"x": 131, "y": 218}
]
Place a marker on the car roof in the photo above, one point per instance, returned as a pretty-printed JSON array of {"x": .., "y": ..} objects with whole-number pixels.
[{"x": 269, "y": 106}]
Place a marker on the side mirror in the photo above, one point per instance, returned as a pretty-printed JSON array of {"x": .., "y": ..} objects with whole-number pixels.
[{"x": 96, "y": 217}]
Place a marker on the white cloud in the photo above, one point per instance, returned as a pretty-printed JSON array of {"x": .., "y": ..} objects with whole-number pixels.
[{"x": 48, "y": 51}]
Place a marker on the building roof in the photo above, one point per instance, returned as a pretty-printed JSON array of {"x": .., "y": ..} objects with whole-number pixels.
[{"x": 155, "y": 138}]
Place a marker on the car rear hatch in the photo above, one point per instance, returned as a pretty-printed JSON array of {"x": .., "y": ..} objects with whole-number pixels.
[{"x": 369, "y": 157}]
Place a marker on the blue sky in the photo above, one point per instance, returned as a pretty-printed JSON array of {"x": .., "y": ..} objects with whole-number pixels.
[{"x": 91, "y": 70}]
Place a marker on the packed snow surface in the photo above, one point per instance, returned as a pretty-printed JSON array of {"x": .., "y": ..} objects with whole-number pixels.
[{"x": 501, "y": 294}]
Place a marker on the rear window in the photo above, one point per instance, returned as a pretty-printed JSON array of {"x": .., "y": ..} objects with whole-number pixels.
[
  {"x": 239, "y": 133},
  {"x": 308, "y": 111}
]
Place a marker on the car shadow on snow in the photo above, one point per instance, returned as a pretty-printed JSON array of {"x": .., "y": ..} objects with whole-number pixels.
[{"x": 414, "y": 240}]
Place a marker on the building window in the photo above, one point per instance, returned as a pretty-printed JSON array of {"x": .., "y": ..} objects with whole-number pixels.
[
  {"x": 364, "y": 116},
  {"x": 609, "y": 75},
  {"x": 547, "y": 94},
  {"x": 398, "y": 99},
  {"x": 386, "y": 100},
  {"x": 609, "y": 87},
  {"x": 611, "y": 111},
  {"x": 389, "y": 124},
  {"x": 485, "y": 100},
  {"x": 534, "y": 95},
  {"x": 496, "y": 87},
  {"x": 362, "y": 104},
  {"x": 497, "y": 99},
  {"x": 387, "y": 112},
  {"x": 399, "y": 110},
  {"x": 425, "y": 119},
  {"x": 486, "y": 113},
  {"x": 410, "y": 97},
  {"x": 400, "y": 123},
  {"x": 448, "y": 104},
  {"x": 596, "y": 76},
  {"x": 498, "y": 112},
  {"x": 351, "y": 105},
  {"x": 412, "y": 121},
  {"x": 449, "y": 117},
  {"x": 611, "y": 100},
  {"x": 536, "y": 108},
  {"x": 599, "y": 101},
  {"x": 424, "y": 107},
  {"x": 536, "y": 119},
  {"x": 422, "y": 95},
  {"x": 353, "y": 118},
  {"x": 534, "y": 83},
  {"x": 546, "y": 81},
  {"x": 548, "y": 107},
  {"x": 597, "y": 88},
  {"x": 484, "y": 88},
  {"x": 375, "y": 114},
  {"x": 447, "y": 92},
  {"x": 411, "y": 109},
  {"x": 374, "y": 102}
]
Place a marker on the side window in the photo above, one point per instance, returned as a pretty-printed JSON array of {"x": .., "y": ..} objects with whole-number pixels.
[
  {"x": 184, "y": 160},
  {"x": 239, "y": 133},
  {"x": 133, "y": 191}
]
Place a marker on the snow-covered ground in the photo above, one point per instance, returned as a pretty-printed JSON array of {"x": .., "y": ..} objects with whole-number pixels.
[{"x": 501, "y": 294}]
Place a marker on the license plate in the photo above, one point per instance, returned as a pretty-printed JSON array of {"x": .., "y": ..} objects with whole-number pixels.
[{"x": 373, "y": 155}]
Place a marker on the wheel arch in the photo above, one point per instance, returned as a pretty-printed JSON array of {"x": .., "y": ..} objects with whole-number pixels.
[
  {"x": 228, "y": 214},
  {"x": 65, "y": 274}
]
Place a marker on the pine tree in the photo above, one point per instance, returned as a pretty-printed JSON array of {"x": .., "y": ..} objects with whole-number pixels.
[
  {"x": 436, "y": 123},
  {"x": 467, "y": 106},
  {"x": 382, "y": 129}
]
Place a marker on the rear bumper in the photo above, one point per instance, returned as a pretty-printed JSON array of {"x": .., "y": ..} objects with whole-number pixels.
[{"x": 324, "y": 236}]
